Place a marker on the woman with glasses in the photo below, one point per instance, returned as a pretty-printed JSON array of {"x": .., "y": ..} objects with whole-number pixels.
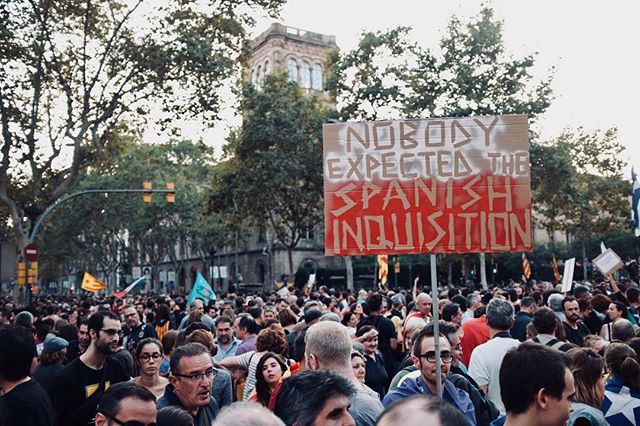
[
  {"x": 148, "y": 357},
  {"x": 589, "y": 377},
  {"x": 376, "y": 374}
]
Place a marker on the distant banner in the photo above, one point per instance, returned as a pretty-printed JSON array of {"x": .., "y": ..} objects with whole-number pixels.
[{"x": 450, "y": 185}]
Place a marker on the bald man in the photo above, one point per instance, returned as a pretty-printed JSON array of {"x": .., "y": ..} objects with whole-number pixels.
[{"x": 419, "y": 315}]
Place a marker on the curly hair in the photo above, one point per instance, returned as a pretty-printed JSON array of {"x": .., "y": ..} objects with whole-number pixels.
[{"x": 272, "y": 339}]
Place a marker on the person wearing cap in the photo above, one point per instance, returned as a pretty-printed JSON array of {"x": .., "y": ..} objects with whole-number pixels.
[{"x": 51, "y": 361}]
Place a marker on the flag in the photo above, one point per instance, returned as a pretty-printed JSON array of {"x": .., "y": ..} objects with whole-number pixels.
[
  {"x": 526, "y": 267},
  {"x": 556, "y": 273},
  {"x": 122, "y": 293},
  {"x": 91, "y": 283},
  {"x": 621, "y": 404},
  {"x": 383, "y": 268},
  {"x": 201, "y": 290},
  {"x": 635, "y": 201}
]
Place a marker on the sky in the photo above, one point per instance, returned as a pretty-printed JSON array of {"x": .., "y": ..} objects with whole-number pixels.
[{"x": 591, "y": 44}]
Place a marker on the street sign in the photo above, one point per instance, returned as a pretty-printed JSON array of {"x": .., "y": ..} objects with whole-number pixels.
[{"x": 31, "y": 252}]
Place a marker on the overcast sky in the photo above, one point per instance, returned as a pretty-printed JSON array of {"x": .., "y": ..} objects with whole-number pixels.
[{"x": 592, "y": 45}]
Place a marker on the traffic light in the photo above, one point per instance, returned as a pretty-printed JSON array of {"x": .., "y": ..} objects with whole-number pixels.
[
  {"x": 495, "y": 268},
  {"x": 146, "y": 196},
  {"x": 32, "y": 274},
  {"x": 171, "y": 196},
  {"x": 22, "y": 273}
]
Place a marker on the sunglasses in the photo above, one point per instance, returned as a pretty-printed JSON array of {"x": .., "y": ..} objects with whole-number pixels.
[{"x": 129, "y": 422}]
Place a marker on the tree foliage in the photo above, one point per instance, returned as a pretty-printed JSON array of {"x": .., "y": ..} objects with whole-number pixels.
[
  {"x": 70, "y": 71},
  {"x": 472, "y": 74},
  {"x": 272, "y": 176}
]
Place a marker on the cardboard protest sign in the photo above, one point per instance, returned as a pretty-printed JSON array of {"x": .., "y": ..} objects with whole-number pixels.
[
  {"x": 450, "y": 185},
  {"x": 608, "y": 262},
  {"x": 567, "y": 276}
]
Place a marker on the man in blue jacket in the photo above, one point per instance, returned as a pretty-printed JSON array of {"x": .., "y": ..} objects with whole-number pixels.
[{"x": 424, "y": 358}]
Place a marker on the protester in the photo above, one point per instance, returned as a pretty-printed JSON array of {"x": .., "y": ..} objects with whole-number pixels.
[
  {"x": 79, "y": 387},
  {"x": 226, "y": 343},
  {"x": 127, "y": 404},
  {"x": 523, "y": 318},
  {"x": 135, "y": 330},
  {"x": 574, "y": 329},
  {"x": 424, "y": 358},
  {"x": 328, "y": 347},
  {"x": 168, "y": 344},
  {"x": 546, "y": 323},
  {"x": 376, "y": 375},
  {"x": 51, "y": 361},
  {"x": 486, "y": 359},
  {"x": 617, "y": 311},
  {"x": 197, "y": 307},
  {"x": 358, "y": 363},
  {"x": 589, "y": 376},
  {"x": 247, "y": 413},
  {"x": 23, "y": 402},
  {"x": 246, "y": 330},
  {"x": 191, "y": 380},
  {"x": 148, "y": 356},
  {"x": 621, "y": 404},
  {"x": 174, "y": 416},
  {"x": 536, "y": 386},
  {"x": 419, "y": 410},
  {"x": 315, "y": 398},
  {"x": 270, "y": 369}
]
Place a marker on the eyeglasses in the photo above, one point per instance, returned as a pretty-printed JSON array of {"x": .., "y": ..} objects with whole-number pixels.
[
  {"x": 446, "y": 357},
  {"x": 129, "y": 422},
  {"x": 110, "y": 331},
  {"x": 147, "y": 357},
  {"x": 196, "y": 377}
]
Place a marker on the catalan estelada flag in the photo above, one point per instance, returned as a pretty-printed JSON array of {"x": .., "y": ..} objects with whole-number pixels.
[
  {"x": 383, "y": 268},
  {"x": 526, "y": 267},
  {"x": 91, "y": 283},
  {"x": 556, "y": 273}
]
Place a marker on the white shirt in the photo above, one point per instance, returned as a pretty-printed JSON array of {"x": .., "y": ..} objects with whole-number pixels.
[
  {"x": 484, "y": 366},
  {"x": 468, "y": 314}
]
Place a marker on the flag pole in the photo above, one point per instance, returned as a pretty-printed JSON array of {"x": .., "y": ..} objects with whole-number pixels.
[{"x": 436, "y": 324}]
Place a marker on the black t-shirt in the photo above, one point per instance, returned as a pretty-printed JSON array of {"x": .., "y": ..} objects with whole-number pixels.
[
  {"x": 376, "y": 375},
  {"x": 78, "y": 389},
  {"x": 386, "y": 332},
  {"x": 576, "y": 336},
  {"x": 26, "y": 405}
]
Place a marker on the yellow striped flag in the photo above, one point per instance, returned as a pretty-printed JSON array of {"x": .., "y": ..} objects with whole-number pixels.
[
  {"x": 383, "y": 268},
  {"x": 91, "y": 283},
  {"x": 556, "y": 273},
  {"x": 526, "y": 267}
]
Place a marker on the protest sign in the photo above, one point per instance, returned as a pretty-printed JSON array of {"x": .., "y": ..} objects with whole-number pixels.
[
  {"x": 567, "y": 276},
  {"x": 450, "y": 185},
  {"x": 608, "y": 262}
]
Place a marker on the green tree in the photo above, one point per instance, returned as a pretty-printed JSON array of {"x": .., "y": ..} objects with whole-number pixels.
[
  {"x": 272, "y": 175},
  {"x": 577, "y": 184},
  {"x": 70, "y": 71},
  {"x": 472, "y": 75}
]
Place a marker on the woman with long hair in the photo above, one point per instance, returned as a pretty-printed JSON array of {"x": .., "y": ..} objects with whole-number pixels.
[
  {"x": 148, "y": 357},
  {"x": 163, "y": 320},
  {"x": 589, "y": 376},
  {"x": 622, "y": 392},
  {"x": 270, "y": 369},
  {"x": 616, "y": 311}
]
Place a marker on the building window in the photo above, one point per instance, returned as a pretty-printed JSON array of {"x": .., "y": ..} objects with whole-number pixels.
[
  {"x": 267, "y": 69},
  {"x": 293, "y": 70},
  {"x": 253, "y": 77},
  {"x": 305, "y": 76},
  {"x": 316, "y": 77},
  {"x": 306, "y": 232},
  {"x": 258, "y": 76}
]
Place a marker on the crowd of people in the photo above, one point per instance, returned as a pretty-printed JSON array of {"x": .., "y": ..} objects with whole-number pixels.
[{"x": 518, "y": 354}]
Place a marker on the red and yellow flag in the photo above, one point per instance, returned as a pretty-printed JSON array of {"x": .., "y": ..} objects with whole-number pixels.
[
  {"x": 383, "y": 268},
  {"x": 556, "y": 273},
  {"x": 526, "y": 267},
  {"x": 91, "y": 283}
]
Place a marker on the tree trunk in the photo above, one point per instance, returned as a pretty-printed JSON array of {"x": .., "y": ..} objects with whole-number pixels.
[
  {"x": 584, "y": 260},
  {"x": 348, "y": 263},
  {"x": 290, "y": 257}
]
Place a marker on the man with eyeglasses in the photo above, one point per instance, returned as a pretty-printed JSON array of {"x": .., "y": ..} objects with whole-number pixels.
[
  {"x": 192, "y": 373},
  {"x": 79, "y": 387},
  {"x": 424, "y": 358},
  {"x": 135, "y": 329},
  {"x": 127, "y": 404}
]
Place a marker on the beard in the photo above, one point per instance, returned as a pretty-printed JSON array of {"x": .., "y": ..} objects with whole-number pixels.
[{"x": 104, "y": 347}]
